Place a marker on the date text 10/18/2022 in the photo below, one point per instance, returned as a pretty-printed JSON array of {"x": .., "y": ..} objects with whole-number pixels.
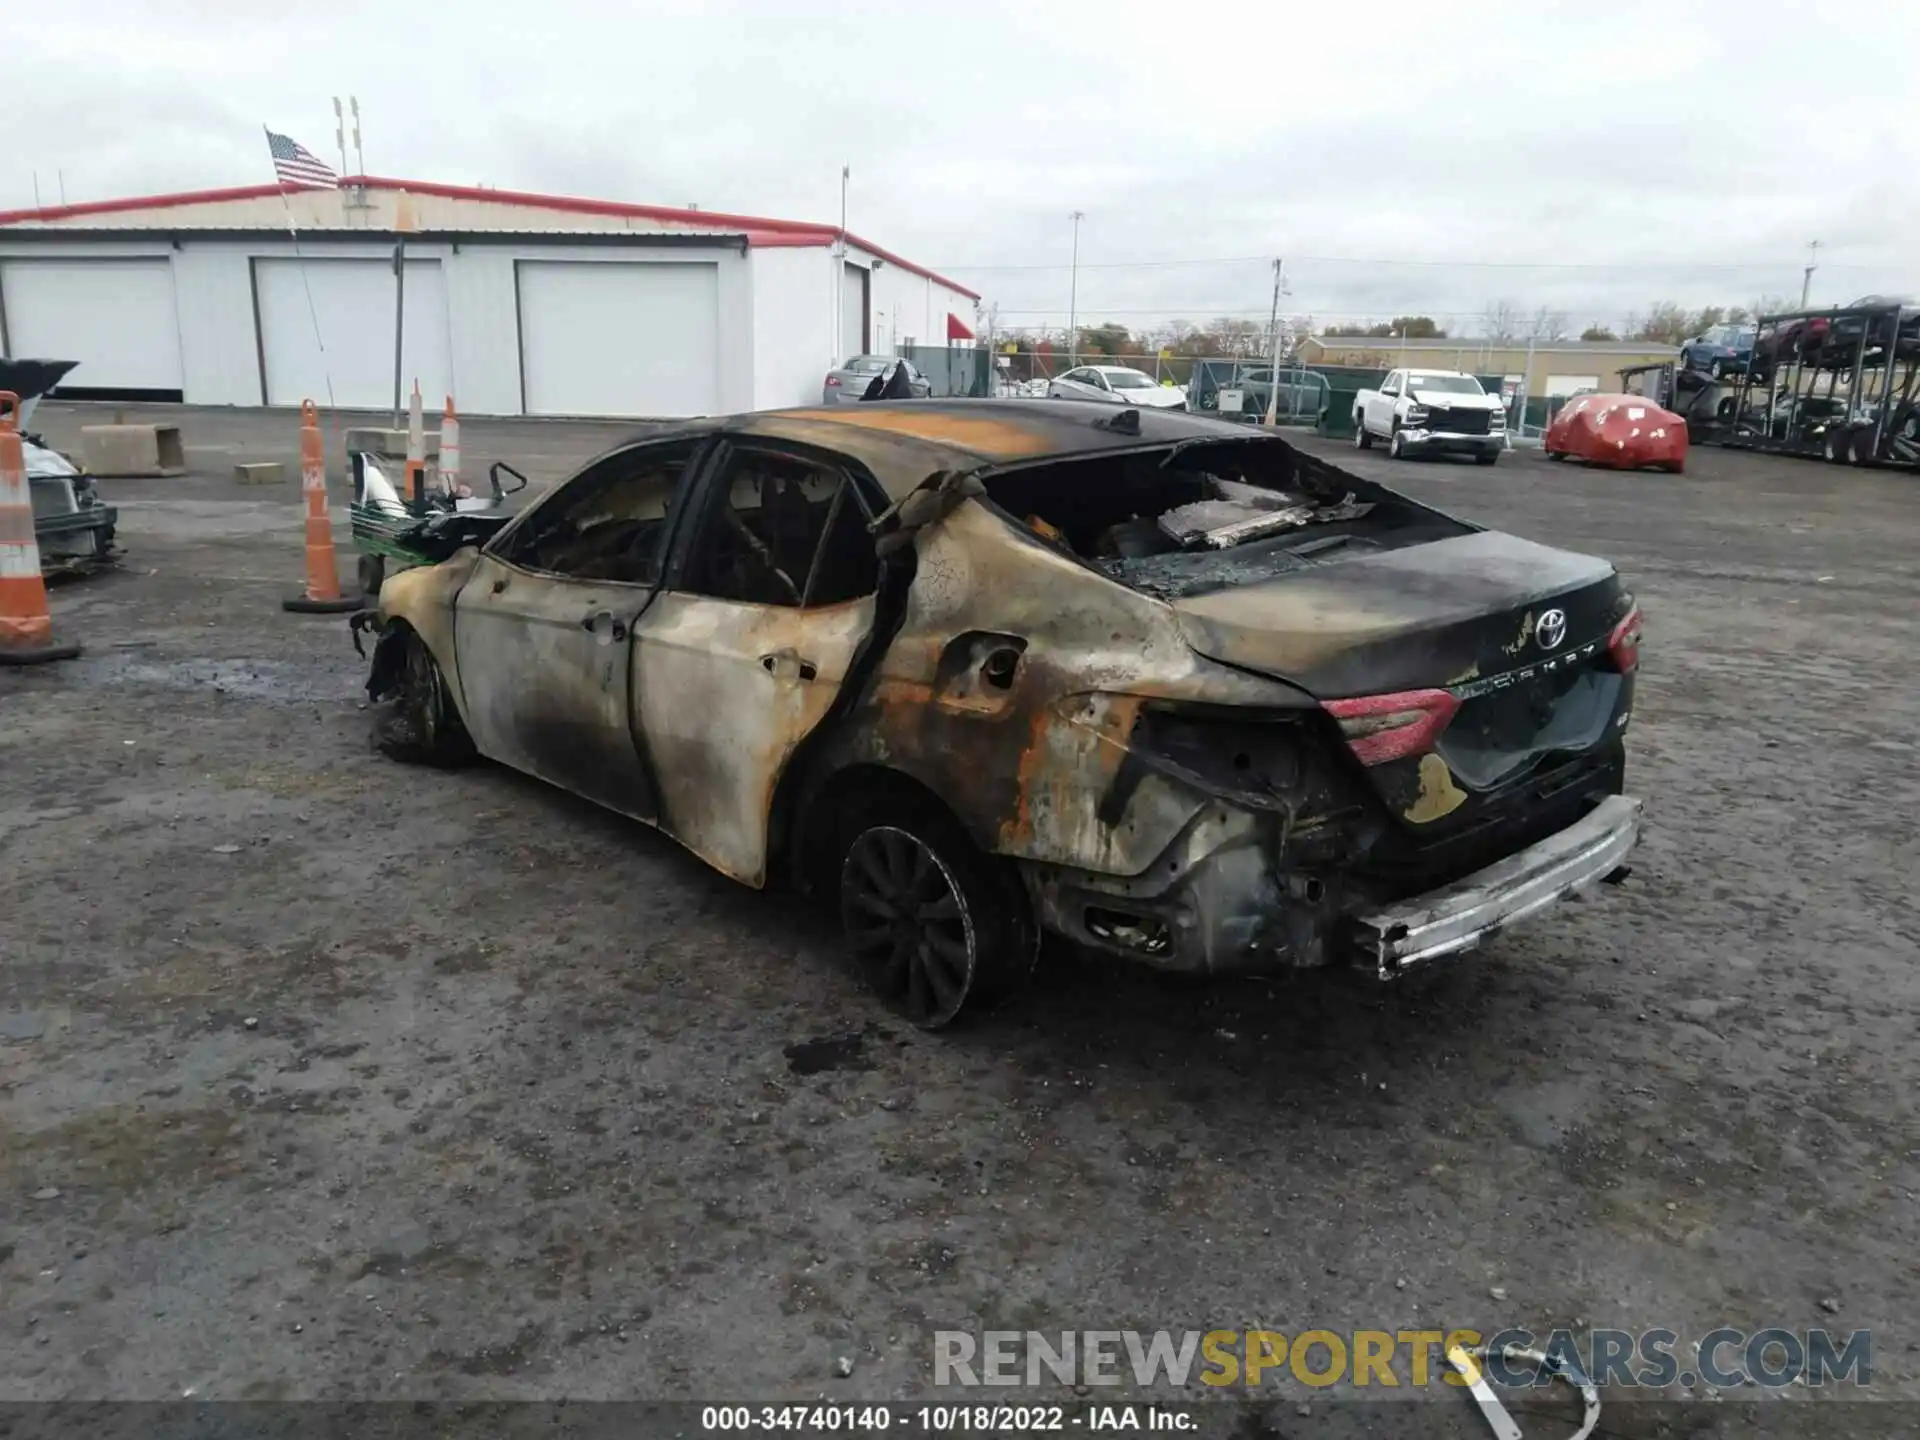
[{"x": 940, "y": 1419}]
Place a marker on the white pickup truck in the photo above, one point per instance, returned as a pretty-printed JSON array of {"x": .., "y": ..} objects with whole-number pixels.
[{"x": 1431, "y": 412}]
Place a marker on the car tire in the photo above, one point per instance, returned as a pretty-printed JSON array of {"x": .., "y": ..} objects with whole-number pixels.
[
  {"x": 1555, "y": 454},
  {"x": 1837, "y": 446},
  {"x": 1716, "y": 370},
  {"x": 1860, "y": 451},
  {"x": 419, "y": 722},
  {"x": 1685, "y": 360},
  {"x": 1361, "y": 439},
  {"x": 1397, "y": 446},
  {"x": 1486, "y": 457},
  {"x": 936, "y": 927}
]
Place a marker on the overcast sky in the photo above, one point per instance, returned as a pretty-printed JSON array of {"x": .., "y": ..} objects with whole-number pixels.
[{"x": 1428, "y": 157}]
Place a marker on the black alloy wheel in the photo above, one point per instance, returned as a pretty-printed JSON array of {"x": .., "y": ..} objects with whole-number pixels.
[{"x": 909, "y": 923}]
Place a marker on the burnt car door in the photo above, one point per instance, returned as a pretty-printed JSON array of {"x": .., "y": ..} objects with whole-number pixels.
[
  {"x": 769, "y": 594},
  {"x": 544, "y": 627}
]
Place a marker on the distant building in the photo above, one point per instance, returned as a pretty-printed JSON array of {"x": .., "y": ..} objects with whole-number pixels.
[
  {"x": 1558, "y": 367},
  {"x": 515, "y": 304}
]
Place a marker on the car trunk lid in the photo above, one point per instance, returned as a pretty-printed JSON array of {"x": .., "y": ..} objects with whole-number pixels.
[{"x": 1455, "y": 668}]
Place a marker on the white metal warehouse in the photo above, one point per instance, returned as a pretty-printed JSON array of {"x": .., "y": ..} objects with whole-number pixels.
[{"x": 516, "y": 304}]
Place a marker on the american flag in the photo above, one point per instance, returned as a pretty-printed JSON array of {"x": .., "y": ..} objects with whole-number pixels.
[{"x": 294, "y": 164}]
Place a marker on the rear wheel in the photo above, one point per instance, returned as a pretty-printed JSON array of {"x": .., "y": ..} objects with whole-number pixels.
[
  {"x": 1837, "y": 447},
  {"x": 1716, "y": 370},
  {"x": 935, "y": 926},
  {"x": 1361, "y": 439},
  {"x": 420, "y": 723},
  {"x": 1487, "y": 457},
  {"x": 1861, "y": 450}
]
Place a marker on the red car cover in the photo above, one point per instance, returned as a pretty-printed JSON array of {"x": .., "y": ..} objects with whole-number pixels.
[{"x": 1628, "y": 432}]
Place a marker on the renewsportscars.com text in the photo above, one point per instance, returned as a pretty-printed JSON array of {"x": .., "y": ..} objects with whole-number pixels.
[{"x": 1723, "y": 1358}]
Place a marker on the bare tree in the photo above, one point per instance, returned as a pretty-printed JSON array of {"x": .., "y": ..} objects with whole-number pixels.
[
  {"x": 1500, "y": 320},
  {"x": 1665, "y": 323},
  {"x": 1548, "y": 324}
]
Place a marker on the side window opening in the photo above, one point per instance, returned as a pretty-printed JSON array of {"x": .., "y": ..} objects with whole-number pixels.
[
  {"x": 786, "y": 531},
  {"x": 612, "y": 523}
]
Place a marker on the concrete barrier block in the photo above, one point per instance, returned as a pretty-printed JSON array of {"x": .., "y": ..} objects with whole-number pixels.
[
  {"x": 389, "y": 444},
  {"x": 261, "y": 472},
  {"x": 129, "y": 451}
]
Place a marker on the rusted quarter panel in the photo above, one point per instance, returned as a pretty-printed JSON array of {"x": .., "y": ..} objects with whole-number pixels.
[{"x": 1028, "y": 768}]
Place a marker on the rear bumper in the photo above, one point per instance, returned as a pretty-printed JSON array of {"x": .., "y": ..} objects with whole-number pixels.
[{"x": 1473, "y": 910}]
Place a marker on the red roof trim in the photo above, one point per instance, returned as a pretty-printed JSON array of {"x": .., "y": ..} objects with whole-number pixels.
[
  {"x": 761, "y": 231},
  {"x": 139, "y": 202}
]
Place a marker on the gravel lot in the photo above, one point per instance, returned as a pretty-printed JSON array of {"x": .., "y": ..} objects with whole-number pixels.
[{"x": 326, "y": 1077}]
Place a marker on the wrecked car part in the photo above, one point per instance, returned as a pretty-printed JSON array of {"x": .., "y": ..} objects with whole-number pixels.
[
  {"x": 1475, "y": 909},
  {"x": 1466, "y": 1362},
  {"x": 74, "y": 530}
]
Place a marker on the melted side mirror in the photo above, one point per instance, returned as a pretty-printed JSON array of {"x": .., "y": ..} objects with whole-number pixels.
[{"x": 499, "y": 468}]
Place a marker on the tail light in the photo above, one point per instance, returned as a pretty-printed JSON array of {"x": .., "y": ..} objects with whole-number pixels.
[
  {"x": 1380, "y": 728},
  {"x": 833, "y": 382},
  {"x": 1624, "y": 643}
]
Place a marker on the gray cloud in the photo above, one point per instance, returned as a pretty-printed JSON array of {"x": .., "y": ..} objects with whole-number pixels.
[{"x": 1585, "y": 158}]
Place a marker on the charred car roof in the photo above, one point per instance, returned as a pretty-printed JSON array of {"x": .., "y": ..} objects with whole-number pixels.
[{"x": 902, "y": 442}]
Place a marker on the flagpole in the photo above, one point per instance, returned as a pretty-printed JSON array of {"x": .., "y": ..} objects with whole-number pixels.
[{"x": 313, "y": 314}]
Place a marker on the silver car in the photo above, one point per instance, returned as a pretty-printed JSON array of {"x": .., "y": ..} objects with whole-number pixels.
[
  {"x": 848, "y": 384},
  {"x": 1116, "y": 385}
]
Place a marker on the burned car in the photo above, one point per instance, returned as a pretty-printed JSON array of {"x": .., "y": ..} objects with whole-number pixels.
[
  {"x": 72, "y": 527},
  {"x": 980, "y": 669}
]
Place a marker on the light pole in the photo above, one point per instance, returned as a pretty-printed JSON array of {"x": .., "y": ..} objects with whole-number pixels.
[
  {"x": 1073, "y": 296},
  {"x": 1273, "y": 390},
  {"x": 839, "y": 327},
  {"x": 1806, "y": 275}
]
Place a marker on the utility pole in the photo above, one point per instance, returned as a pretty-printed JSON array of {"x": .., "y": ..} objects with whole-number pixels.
[
  {"x": 1273, "y": 388},
  {"x": 1806, "y": 276},
  {"x": 839, "y": 328},
  {"x": 1273, "y": 316},
  {"x": 1073, "y": 295}
]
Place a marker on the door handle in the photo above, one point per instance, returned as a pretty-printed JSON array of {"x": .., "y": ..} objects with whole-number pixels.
[
  {"x": 784, "y": 664},
  {"x": 605, "y": 622}
]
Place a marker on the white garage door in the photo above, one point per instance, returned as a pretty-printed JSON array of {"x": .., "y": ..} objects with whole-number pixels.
[
  {"x": 620, "y": 337},
  {"x": 116, "y": 317},
  {"x": 353, "y": 303}
]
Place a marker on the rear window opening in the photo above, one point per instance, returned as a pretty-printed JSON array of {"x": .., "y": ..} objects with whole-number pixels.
[{"x": 1184, "y": 519}]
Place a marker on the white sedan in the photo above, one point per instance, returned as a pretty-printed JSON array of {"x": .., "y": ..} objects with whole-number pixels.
[{"x": 1116, "y": 384}]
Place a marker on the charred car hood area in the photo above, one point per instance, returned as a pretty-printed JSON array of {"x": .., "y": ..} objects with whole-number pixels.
[{"x": 1193, "y": 696}]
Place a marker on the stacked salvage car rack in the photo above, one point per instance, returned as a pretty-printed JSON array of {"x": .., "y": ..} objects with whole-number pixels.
[{"x": 1781, "y": 404}]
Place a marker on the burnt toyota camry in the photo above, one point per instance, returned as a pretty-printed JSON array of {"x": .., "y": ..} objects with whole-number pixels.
[{"x": 977, "y": 670}]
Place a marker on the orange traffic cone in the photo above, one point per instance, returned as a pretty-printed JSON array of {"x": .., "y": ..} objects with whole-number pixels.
[
  {"x": 322, "y": 595},
  {"x": 416, "y": 454},
  {"x": 26, "y": 629},
  {"x": 450, "y": 452}
]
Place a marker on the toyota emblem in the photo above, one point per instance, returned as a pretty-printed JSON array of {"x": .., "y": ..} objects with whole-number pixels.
[{"x": 1552, "y": 629}]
